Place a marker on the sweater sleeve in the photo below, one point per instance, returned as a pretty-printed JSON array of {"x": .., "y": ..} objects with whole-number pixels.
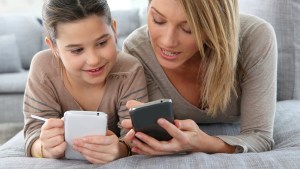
[
  {"x": 258, "y": 84},
  {"x": 134, "y": 88},
  {"x": 40, "y": 99}
]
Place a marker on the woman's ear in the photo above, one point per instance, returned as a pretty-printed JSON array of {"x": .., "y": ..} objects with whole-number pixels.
[{"x": 51, "y": 45}]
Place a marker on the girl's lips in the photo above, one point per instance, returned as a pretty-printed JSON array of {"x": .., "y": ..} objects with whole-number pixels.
[
  {"x": 168, "y": 55},
  {"x": 96, "y": 72}
]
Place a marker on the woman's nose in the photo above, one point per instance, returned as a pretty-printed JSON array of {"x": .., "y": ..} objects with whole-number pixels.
[{"x": 170, "y": 37}]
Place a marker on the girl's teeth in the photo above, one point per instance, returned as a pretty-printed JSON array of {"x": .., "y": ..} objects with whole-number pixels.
[{"x": 95, "y": 70}]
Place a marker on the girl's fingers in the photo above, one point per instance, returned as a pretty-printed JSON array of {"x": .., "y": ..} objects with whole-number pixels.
[
  {"x": 53, "y": 123},
  {"x": 133, "y": 103},
  {"x": 127, "y": 124}
]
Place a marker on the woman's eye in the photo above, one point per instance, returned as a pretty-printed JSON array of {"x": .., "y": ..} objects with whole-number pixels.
[
  {"x": 158, "y": 22},
  {"x": 77, "y": 51},
  {"x": 187, "y": 31}
]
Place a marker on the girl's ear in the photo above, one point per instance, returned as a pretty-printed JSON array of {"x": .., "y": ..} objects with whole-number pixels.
[
  {"x": 114, "y": 26},
  {"x": 49, "y": 42},
  {"x": 51, "y": 45}
]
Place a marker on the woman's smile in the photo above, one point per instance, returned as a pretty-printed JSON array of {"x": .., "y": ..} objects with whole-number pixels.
[{"x": 169, "y": 55}]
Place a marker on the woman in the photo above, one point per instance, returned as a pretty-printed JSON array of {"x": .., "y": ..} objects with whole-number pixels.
[
  {"x": 82, "y": 71},
  {"x": 216, "y": 65}
]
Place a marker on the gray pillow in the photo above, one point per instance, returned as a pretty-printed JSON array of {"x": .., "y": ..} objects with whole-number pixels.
[
  {"x": 284, "y": 17},
  {"x": 9, "y": 54}
]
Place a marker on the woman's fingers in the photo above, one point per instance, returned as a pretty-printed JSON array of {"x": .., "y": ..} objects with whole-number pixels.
[{"x": 171, "y": 129}]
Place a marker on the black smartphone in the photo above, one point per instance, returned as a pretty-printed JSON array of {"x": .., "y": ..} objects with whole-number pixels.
[{"x": 144, "y": 118}]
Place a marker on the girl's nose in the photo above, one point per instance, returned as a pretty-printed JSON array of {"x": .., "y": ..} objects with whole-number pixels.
[{"x": 93, "y": 58}]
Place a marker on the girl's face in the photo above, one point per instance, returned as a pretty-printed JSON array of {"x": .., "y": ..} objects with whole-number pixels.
[
  {"x": 171, "y": 37},
  {"x": 87, "y": 48}
]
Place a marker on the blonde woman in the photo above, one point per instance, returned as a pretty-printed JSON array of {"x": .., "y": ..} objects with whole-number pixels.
[{"x": 218, "y": 66}]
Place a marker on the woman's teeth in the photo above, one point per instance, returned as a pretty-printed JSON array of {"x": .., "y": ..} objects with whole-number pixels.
[{"x": 168, "y": 53}]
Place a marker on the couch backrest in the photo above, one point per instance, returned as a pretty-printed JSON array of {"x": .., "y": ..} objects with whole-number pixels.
[
  {"x": 284, "y": 17},
  {"x": 127, "y": 22},
  {"x": 28, "y": 34}
]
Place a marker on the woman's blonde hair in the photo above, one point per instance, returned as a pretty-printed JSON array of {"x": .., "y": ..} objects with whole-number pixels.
[{"x": 215, "y": 24}]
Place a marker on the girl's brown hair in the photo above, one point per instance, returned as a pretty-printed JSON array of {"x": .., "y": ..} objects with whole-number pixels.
[{"x": 64, "y": 11}]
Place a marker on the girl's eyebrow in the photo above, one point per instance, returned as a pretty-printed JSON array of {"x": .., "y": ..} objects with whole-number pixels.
[{"x": 77, "y": 45}]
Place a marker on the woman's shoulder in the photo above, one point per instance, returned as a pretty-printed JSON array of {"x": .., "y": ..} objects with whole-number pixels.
[
  {"x": 137, "y": 38},
  {"x": 257, "y": 40},
  {"x": 252, "y": 25}
]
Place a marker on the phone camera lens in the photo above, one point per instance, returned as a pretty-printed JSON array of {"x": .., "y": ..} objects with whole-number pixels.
[{"x": 161, "y": 101}]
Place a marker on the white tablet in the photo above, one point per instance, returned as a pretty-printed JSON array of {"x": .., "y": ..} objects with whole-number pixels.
[{"x": 79, "y": 124}]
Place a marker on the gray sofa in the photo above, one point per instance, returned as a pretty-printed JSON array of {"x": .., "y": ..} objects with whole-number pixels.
[{"x": 283, "y": 15}]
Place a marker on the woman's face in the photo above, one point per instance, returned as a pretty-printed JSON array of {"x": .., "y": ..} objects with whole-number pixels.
[
  {"x": 87, "y": 49},
  {"x": 170, "y": 35}
]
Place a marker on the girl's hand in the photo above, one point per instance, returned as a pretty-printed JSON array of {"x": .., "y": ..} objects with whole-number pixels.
[
  {"x": 100, "y": 149},
  {"x": 127, "y": 124},
  {"x": 52, "y": 139},
  {"x": 187, "y": 137}
]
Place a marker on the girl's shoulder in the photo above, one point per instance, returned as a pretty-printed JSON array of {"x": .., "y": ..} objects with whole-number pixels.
[
  {"x": 44, "y": 62},
  {"x": 126, "y": 63}
]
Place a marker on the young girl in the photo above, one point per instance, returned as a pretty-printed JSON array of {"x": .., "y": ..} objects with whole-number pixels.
[{"x": 82, "y": 71}]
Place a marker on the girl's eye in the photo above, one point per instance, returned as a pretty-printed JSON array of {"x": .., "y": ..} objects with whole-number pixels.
[
  {"x": 102, "y": 43},
  {"x": 77, "y": 51}
]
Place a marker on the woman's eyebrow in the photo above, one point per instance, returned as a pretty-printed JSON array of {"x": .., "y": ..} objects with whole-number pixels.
[{"x": 157, "y": 11}]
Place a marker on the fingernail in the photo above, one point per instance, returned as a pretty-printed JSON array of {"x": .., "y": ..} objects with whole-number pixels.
[
  {"x": 161, "y": 121},
  {"x": 138, "y": 136}
]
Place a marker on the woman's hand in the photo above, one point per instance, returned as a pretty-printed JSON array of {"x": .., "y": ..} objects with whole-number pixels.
[
  {"x": 52, "y": 139},
  {"x": 187, "y": 137},
  {"x": 100, "y": 149}
]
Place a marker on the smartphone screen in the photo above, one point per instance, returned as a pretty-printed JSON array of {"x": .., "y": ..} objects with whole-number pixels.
[{"x": 144, "y": 118}]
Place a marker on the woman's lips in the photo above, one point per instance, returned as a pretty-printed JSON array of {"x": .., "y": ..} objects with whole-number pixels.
[{"x": 169, "y": 55}]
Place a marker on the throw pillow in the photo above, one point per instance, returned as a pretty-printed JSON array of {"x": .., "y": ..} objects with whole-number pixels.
[{"x": 9, "y": 55}]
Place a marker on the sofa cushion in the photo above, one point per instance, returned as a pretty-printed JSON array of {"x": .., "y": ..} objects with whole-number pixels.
[
  {"x": 127, "y": 21},
  {"x": 28, "y": 32},
  {"x": 9, "y": 54},
  {"x": 285, "y": 153},
  {"x": 13, "y": 82},
  {"x": 284, "y": 17}
]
